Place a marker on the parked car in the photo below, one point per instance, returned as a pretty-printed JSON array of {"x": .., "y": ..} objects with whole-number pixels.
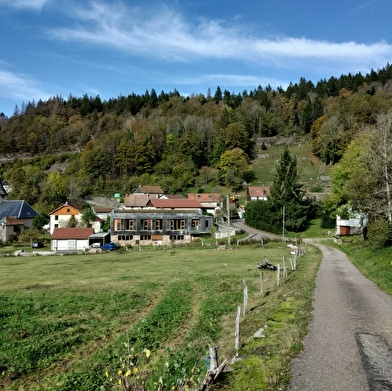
[
  {"x": 109, "y": 247},
  {"x": 37, "y": 245},
  {"x": 96, "y": 245}
]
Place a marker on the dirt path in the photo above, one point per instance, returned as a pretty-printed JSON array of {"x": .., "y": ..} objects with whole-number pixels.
[{"x": 347, "y": 347}]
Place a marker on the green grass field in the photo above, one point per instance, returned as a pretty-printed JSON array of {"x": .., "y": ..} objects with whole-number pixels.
[
  {"x": 72, "y": 322},
  {"x": 309, "y": 167}
]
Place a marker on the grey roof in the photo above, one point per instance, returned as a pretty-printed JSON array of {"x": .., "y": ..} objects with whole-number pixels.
[{"x": 17, "y": 208}]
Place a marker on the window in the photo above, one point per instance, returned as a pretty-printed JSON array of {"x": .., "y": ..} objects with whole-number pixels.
[
  {"x": 145, "y": 237},
  {"x": 159, "y": 224},
  {"x": 130, "y": 225},
  {"x": 177, "y": 224},
  {"x": 56, "y": 217},
  {"x": 146, "y": 224},
  {"x": 68, "y": 210},
  {"x": 195, "y": 223},
  {"x": 206, "y": 223},
  {"x": 125, "y": 237},
  {"x": 117, "y": 224},
  {"x": 176, "y": 237}
]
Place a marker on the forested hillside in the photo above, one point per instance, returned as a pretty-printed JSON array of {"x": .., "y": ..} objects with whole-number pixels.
[{"x": 175, "y": 141}]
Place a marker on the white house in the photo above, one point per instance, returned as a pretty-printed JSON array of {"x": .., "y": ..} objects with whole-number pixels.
[
  {"x": 351, "y": 226},
  {"x": 71, "y": 239},
  {"x": 60, "y": 217}
]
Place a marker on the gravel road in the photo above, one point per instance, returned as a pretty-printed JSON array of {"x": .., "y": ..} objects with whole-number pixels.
[{"x": 348, "y": 344}]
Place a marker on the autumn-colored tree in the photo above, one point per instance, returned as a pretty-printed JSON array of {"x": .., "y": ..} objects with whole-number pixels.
[{"x": 233, "y": 164}]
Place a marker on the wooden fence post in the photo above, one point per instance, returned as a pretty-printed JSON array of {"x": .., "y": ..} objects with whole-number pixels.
[
  {"x": 278, "y": 275},
  {"x": 245, "y": 290},
  {"x": 261, "y": 284},
  {"x": 237, "y": 329},
  {"x": 213, "y": 357}
]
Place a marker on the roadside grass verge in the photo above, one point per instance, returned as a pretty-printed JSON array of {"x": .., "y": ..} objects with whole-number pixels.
[
  {"x": 65, "y": 320},
  {"x": 284, "y": 314},
  {"x": 375, "y": 264}
]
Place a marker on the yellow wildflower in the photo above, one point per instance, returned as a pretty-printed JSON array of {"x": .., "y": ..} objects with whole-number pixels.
[
  {"x": 148, "y": 353},
  {"x": 119, "y": 372},
  {"x": 135, "y": 370},
  {"x": 127, "y": 373},
  {"x": 119, "y": 381},
  {"x": 106, "y": 374}
]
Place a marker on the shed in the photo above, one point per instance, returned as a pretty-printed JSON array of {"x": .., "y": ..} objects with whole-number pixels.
[{"x": 71, "y": 239}]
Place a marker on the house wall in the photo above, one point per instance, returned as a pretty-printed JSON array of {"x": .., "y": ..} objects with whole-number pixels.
[
  {"x": 158, "y": 228},
  {"x": 7, "y": 230},
  {"x": 69, "y": 244},
  {"x": 60, "y": 218}
]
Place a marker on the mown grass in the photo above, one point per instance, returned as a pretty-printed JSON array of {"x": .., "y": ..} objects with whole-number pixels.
[{"x": 65, "y": 319}]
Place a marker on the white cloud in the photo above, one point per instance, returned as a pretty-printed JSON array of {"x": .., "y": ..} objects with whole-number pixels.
[
  {"x": 34, "y": 4},
  {"x": 20, "y": 87},
  {"x": 166, "y": 34}
]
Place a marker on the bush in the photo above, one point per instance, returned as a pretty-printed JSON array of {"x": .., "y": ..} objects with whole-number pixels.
[{"x": 380, "y": 234}]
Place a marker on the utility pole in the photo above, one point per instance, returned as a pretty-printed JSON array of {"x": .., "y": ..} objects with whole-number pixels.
[
  {"x": 228, "y": 219},
  {"x": 283, "y": 222}
]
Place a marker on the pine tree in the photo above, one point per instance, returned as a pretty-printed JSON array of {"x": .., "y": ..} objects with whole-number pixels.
[{"x": 286, "y": 193}]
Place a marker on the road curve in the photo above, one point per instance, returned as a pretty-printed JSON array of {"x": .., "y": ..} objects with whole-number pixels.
[{"x": 348, "y": 344}]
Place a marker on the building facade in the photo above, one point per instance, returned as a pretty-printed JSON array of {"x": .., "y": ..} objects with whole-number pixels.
[{"x": 149, "y": 227}]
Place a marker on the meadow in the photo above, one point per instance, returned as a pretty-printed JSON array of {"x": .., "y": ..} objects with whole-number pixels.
[{"x": 83, "y": 322}]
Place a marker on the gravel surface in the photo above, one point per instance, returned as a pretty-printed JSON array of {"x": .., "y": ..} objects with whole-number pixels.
[{"x": 348, "y": 344}]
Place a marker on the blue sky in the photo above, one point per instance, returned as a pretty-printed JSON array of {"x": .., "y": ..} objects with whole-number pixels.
[{"x": 112, "y": 48}]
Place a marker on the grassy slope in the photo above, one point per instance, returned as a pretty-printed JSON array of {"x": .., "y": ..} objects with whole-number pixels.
[
  {"x": 309, "y": 167},
  {"x": 373, "y": 264},
  {"x": 65, "y": 319}
]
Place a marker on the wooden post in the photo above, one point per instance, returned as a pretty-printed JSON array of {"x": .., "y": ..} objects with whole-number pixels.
[
  {"x": 214, "y": 371},
  {"x": 237, "y": 329},
  {"x": 291, "y": 264},
  {"x": 284, "y": 269},
  {"x": 213, "y": 357},
  {"x": 261, "y": 284},
  {"x": 245, "y": 290},
  {"x": 278, "y": 276}
]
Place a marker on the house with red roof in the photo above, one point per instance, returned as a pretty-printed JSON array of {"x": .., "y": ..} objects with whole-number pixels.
[
  {"x": 60, "y": 217},
  {"x": 159, "y": 221},
  {"x": 15, "y": 215},
  {"x": 175, "y": 204},
  {"x": 9, "y": 226},
  {"x": 211, "y": 202},
  {"x": 254, "y": 193},
  {"x": 71, "y": 239}
]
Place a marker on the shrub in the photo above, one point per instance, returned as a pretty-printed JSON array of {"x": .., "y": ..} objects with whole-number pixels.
[{"x": 380, "y": 233}]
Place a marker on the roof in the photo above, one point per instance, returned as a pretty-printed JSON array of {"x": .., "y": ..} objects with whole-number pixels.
[
  {"x": 206, "y": 197},
  {"x": 17, "y": 208},
  {"x": 99, "y": 235},
  {"x": 72, "y": 233},
  {"x": 133, "y": 200},
  {"x": 77, "y": 207},
  {"x": 175, "y": 203},
  {"x": 100, "y": 209},
  {"x": 258, "y": 191},
  {"x": 148, "y": 190},
  {"x": 172, "y": 196},
  {"x": 9, "y": 221}
]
